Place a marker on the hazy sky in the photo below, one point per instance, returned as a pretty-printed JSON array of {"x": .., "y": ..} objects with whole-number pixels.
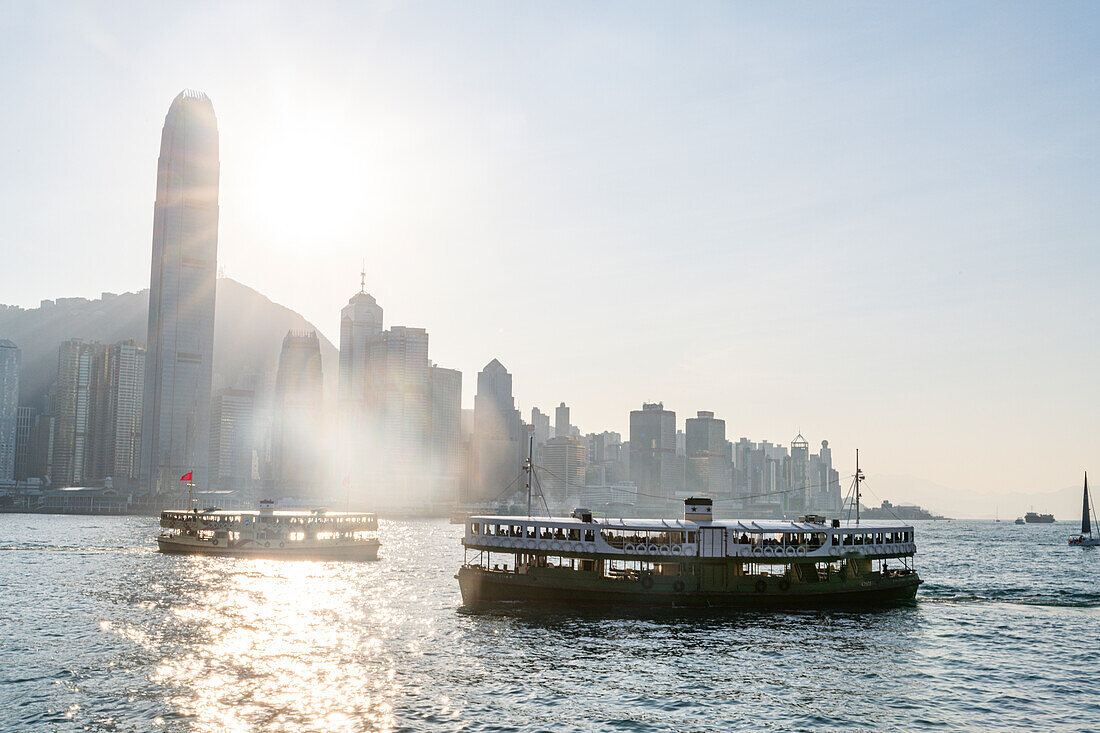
[{"x": 874, "y": 223}]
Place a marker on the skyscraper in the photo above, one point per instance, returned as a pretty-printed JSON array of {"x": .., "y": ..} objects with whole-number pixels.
[
  {"x": 653, "y": 449},
  {"x": 498, "y": 443},
  {"x": 562, "y": 477},
  {"x": 120, "y": 424},
  {"x": 179, "y": 360},
  {"x": 231, "y": 438},
  {"x": 446, "y": 428},
  {"x": 74, "y": 406},
  {"x": 297, "y": 439},
  {"x": 561, "y": 421},
  {"x": 400, "y": 396},
  {"x": 9, "y": 407}
]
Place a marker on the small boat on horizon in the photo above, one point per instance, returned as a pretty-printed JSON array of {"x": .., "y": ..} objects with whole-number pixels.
[
  {"x": 1086, "y": 538},
  {"x": 1020, "y": 520}
]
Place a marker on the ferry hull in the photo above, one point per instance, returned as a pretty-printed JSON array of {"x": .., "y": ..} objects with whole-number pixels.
[
  {"x": 359, "y": 551},
  {"x": 479, "y": 587}
]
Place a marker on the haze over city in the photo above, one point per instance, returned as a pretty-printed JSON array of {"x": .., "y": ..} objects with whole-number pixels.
[{"x": 875, "y": 225}]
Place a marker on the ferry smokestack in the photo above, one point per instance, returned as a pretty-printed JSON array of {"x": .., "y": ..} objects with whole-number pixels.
[{"x": 698, "y": 509}]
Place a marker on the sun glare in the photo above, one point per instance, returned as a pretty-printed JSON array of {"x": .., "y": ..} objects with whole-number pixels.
[{"x": 309, "y": 181}]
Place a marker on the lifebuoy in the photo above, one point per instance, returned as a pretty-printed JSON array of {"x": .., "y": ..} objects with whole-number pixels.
[
  {"x": 267, "y": 544},
  {"x": 630, "y": 548},
  {"x": 784, "y": 584},
  {"x": 282, "y": 544},
  {"x": 761, "y": 585},
  {"x": 651, "y": 550},
  {"x": 678, "y": 586},
  {"x": 769, "y": 552},
  {"x": 555, "y": 546},
  {"x": 665, "y": 550},
  {"x": 647, "y": 581},
  {"x": 801, "y": 552},
  {"x": 758, "y": 551},
  {"x": 215, "y": 542},
  {"x": 544, "y": 545},
  {"x": 788, "y": 551},
  {"x": 835, "y": 552},
  {"x": 677, "y": 550}
]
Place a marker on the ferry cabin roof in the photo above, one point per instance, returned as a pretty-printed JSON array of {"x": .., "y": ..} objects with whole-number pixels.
[{"x": 748, "y": 526}]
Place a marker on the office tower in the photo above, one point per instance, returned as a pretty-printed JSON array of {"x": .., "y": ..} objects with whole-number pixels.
[
  {"x": 563, "y": 474},
  {"x": 360, "y": 326},
  {"x": 541, "y": 424},
  {"x": 297, "y": 439},
  {"x": 561, "y": 421},
  {"x": 125, "y": 392},
  {"x": 653, "y": 449},
  {"x": 799, "y": 482},
  {"x": 25, "y": 422},
  {"x": 446, "y": 426},
  {"x": 709, "y": 460},
  {"x": 9, "y": 407},
  {"x": 399, "y": 400},
  {"x": 498, "y": 443},
  {"x": 231, "y": 438},
  {"x": 75, "y": 407},
  {"x": 179, "y": 360}
]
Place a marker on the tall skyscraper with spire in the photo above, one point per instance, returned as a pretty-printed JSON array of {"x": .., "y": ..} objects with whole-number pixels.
[{"x": 180, "y": 347}]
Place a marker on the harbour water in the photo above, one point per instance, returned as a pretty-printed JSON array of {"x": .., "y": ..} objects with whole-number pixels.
[{"x": 99, "y": 632}]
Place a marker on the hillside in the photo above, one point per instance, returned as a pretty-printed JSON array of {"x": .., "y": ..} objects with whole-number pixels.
[{"x": 248, "y": 333}]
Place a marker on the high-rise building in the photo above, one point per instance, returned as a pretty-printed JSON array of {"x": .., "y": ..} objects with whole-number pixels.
[
  {"x": 125, "y": 391},
  {"x": 74, "y": 454},
  {"x": 26, "y": 420},
  {"x": 708, "y": 454},
  {"x": 562, "y": 477},
  {"x": 297, "y": 439},
  {"x": 10, "y": 360},
  {"x": 799, "y": 481},
  {"x": 400, "y": 394},
  {"x": 498, "y": 443},
  {"x": 653, "y": 465},
  {"x": 360, "y": 326},
  {"x": 232, "y": 438},
  {"x": 541, "y": 424},
  {"x": 446, "y": 427},
  {"x": 179, "y": 361},
  {"x": 561, "y": 421}
]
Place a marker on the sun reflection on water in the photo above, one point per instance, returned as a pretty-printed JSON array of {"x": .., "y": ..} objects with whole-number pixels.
[{"x": 278, "y": 646}]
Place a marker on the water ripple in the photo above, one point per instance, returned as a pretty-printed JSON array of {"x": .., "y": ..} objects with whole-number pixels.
[{"x": 99, "y": 632}]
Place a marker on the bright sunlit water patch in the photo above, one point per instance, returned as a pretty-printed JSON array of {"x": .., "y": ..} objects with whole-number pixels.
[{"x": 99, "y": 632}]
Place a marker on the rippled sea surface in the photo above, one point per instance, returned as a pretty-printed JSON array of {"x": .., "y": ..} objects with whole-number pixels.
[{"x": 100, "y": 632}]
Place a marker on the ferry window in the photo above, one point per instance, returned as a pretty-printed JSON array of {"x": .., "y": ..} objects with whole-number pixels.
[{"x": 475, "y": 528}]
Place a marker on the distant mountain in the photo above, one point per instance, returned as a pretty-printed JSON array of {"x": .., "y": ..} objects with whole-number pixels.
[
  {"x": 248, "y": 334},
  {"x": 1064, "y": 503}
]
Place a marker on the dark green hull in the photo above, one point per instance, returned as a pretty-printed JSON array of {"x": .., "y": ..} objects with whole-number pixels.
[{"x": 566, "y": 587}]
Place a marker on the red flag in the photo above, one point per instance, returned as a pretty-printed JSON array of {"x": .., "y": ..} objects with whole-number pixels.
[
  {"x": 347, "y": 480},
  {"x": 186, "y": 476}
]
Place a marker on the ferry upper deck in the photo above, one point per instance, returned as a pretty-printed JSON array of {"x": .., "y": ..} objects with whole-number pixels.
[{"x": 760, "y": 540}]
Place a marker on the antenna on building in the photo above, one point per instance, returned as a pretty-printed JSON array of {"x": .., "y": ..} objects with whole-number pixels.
[{"x": 363, "y": 278}]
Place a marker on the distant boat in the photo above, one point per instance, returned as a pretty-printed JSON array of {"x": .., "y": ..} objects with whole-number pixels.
[
  {"x": 1081, "y": 540},
  {"x": 1033, "y": 518},
  {"x": 1019, "y": 520}
]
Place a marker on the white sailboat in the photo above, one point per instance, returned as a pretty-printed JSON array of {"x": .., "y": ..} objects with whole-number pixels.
[{"x": 1086, "y": 538}]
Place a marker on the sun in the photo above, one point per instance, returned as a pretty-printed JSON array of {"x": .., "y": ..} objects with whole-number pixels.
[{"x": 308, "y": 181}]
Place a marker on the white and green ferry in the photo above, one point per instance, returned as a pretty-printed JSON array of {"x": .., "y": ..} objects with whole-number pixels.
[
  {"x": 691, "y": 562},
  {"x": 312, "y": 535}
]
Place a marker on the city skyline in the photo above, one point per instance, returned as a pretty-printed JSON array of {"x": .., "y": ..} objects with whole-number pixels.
[{"x": 912, "y": 288}]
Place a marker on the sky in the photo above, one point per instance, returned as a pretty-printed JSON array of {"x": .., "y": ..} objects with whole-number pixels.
[{"x": 875, "y": 223}]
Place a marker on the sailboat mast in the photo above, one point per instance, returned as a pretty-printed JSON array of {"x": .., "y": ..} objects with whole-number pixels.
[
  {"x": 528, "y": 467},
  {"x": 858, "y": 477}
]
